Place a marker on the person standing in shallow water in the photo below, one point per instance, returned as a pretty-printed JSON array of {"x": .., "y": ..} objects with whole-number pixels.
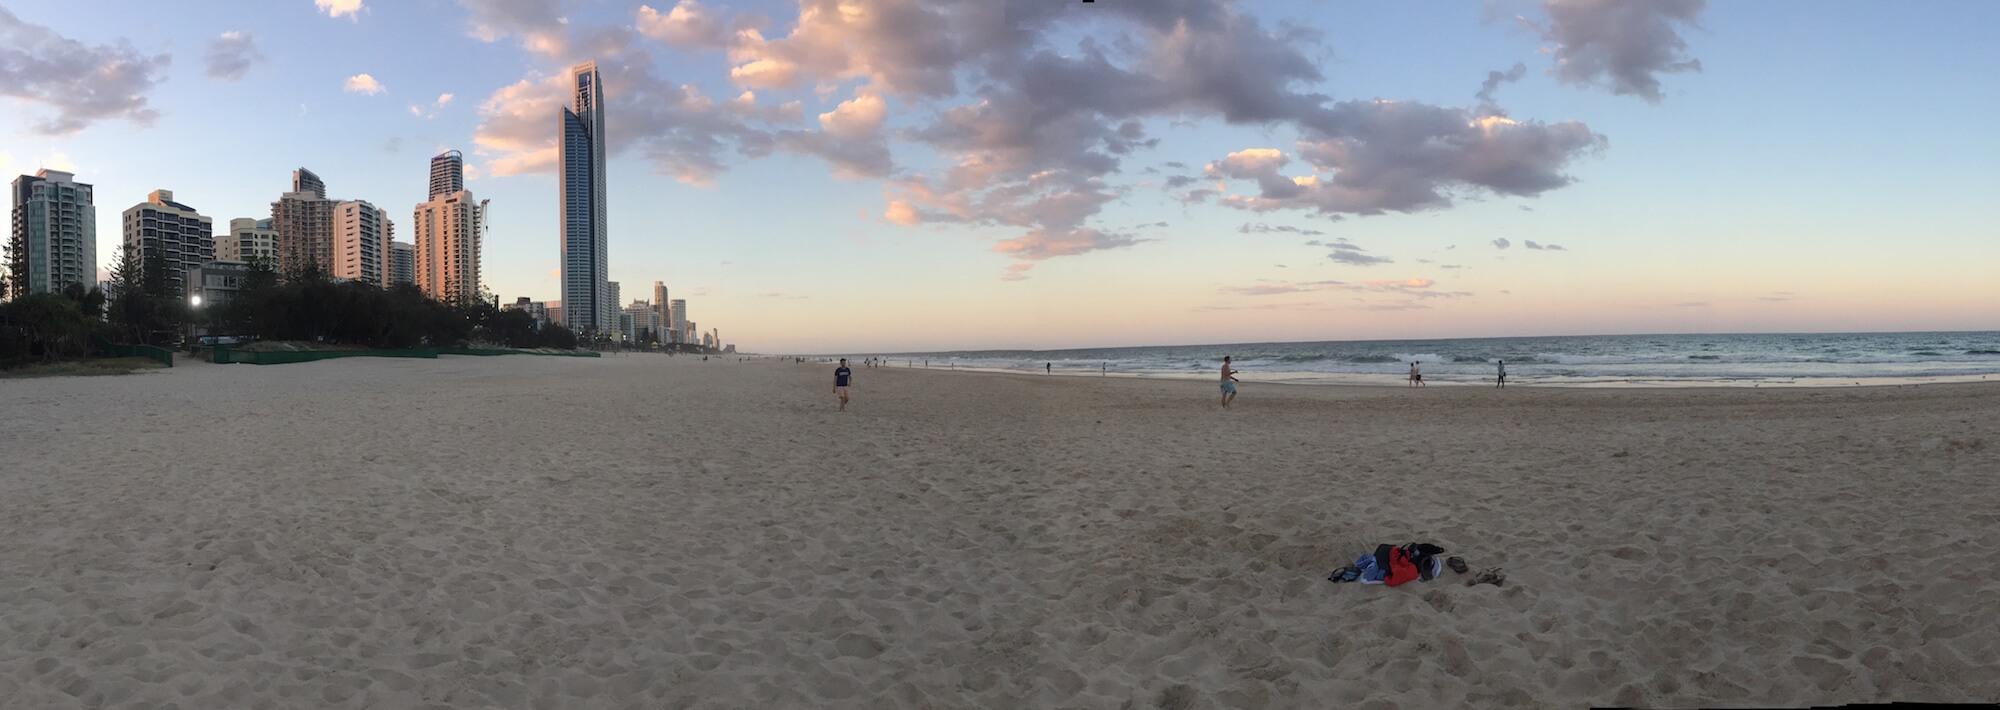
[
  {"x": 1416, "y": 376},
  {"x": 841, "y": 376},
  {"x": 1049, "y": 368},
  {"x": 1228, "y": 382},
  {"x": 1501, "y": 381}
]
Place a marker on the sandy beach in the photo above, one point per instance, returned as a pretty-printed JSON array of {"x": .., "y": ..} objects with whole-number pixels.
[{"x": 645, "y": 532}]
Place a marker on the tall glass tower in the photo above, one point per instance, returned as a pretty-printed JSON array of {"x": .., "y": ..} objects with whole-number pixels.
[{"x": 587, "y": 303}]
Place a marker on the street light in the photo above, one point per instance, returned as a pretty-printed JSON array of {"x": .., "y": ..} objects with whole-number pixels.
[{"x": 194, "y": 301}]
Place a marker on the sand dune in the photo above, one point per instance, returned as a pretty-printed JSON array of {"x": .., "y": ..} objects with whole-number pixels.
[{"x": 642, "y": 532}]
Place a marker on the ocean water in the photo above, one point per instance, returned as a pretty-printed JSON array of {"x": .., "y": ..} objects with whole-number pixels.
[{"x": 1776, "y": 359}]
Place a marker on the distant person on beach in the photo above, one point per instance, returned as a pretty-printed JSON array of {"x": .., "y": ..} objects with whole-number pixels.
[
  {"x": 1228, "y": 383},
  {"x": 841, "y": 376},
  {"x": 1416, "y": 376},
  {"x": 1049, "y": 368},
  {"x": 1501, "y": 381}
]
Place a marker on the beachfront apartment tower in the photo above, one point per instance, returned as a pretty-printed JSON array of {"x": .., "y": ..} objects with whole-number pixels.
[
  {"x": 662, "y": 310},
  {"x": 170, "y": 234},
  {"x": 611, "y": 292},
  {"x": 450, "y": 228},
  {"x": 448, "y": 232},
  {"x": 249, "y": 239},
  {"x": 402, "y": 263},
  {"x": 54, "y": 239},
  {"x": 588, "y": 306},
  {"x": 679, "y": 323},
  {"x": 362, "y": 233},
  {"x": 447, "y": 173},
  {"x": 303, "y": 221}
]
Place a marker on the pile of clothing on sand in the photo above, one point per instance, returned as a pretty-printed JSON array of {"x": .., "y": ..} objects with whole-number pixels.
[{"x": 1411, "y": 562}]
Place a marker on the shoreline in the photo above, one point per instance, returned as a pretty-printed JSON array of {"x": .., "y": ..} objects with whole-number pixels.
[{"x": 1396, "y": 382}]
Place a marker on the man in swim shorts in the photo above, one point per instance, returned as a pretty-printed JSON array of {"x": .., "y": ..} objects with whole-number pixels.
[
  {"x": 1228, "y": 382},
  {"x": 841, "y": 376}
]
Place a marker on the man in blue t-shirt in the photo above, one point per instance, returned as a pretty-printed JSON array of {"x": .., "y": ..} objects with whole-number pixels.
[{"x": 841, "y": 375}]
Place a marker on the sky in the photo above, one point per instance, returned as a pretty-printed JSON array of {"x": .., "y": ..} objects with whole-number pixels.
[{"x": 896, "y": 175}]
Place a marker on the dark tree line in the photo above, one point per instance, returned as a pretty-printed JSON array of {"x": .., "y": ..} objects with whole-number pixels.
[
  {"x": 308, "y": 306},
  {"x": 145, "y": 307}
]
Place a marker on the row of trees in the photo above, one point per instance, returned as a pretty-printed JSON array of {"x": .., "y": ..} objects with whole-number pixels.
[{"x": 145, "y": 307}]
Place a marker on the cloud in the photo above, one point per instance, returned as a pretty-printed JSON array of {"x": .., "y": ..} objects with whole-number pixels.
[
  {"x": 393, "y": 145},
  {"x": 1450, "y": 266},
  {"x": 1621, "y": 45},
  {"x": 1261, "y": 228},
  {"x": 1017, "y": 271},
  {"x": 1492, "y": 84},
  {"x": 1345, "y": 252},
  {"x": 363, "y": 84},
  {"x": 1030, "y": 121},
  {"x": 1268, "y": 287},
  {"x": 782, "y": 296},
  {"x": 419, "y": 111},
  {"x": 1542, "y": 247},
  {"x": 231, "y": 55},
  {"x": 83, "y": 84},
  {"x": 338, "y": 8},
  {"x": 1387, "y": 156},
  {"x": 687, "y": 24},
  {"x": 539, "y": 23},
  {"x": 1502, "y": 243},
  {"x": 676, "y": 128}
]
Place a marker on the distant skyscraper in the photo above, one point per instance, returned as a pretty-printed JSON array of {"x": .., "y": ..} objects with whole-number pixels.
[
  {"x": 362, "y": 234},
  {"x": 303, "y": 220},
  {"x": 679, "y": 311},
  {"x": 54, "y": 239},
  {"x": 248, "y": 240},
  {"x": 663, "y": 311},
  {"x": 580, "y": 192},
  {"x": 447, "y": 173},
  {"x": 640, "y": 320},
  {"x": 402, "y": 263},
  {"x": 170, "y": 234},
  {"x": 448, "y": 232},
  {"x": 611, "y": 292}
]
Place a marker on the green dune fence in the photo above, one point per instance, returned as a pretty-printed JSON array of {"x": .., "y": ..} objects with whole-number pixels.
[{"x": 224, "y": 354}]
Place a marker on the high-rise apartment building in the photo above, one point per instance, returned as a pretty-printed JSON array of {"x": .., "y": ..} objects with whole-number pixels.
[
  {"x": 639, "y": 320},
  {"x": 402, "y": 263},
  {"x": 588, "y": 307},
  {"x": 170, "y": 234},
  {"x": 304, "y": 222},
  {"x": 361, "y": 233},
  {"x": 611, "y": 291},
  {"x": 447, "y": 173},
  {"x": 54, "y": 239},
  {"x": 248, "y": 240},
  {"x": 679, "y": 311},
  {"x": 449, "y": 229},
  {"x": 662, "y": 309}
]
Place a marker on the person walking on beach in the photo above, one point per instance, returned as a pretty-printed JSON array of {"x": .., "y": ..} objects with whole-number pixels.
[
  {"x": 1049, "y": 368},
  {"x": 1416, "y": 377},
  {"x": 841, "y": 376},
  {"x": 1228, "y": 383},
  {"x": 1501, "y": 381}
]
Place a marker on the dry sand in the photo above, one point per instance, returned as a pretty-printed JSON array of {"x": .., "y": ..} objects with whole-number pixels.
[{"x": 639, "y": 532}]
